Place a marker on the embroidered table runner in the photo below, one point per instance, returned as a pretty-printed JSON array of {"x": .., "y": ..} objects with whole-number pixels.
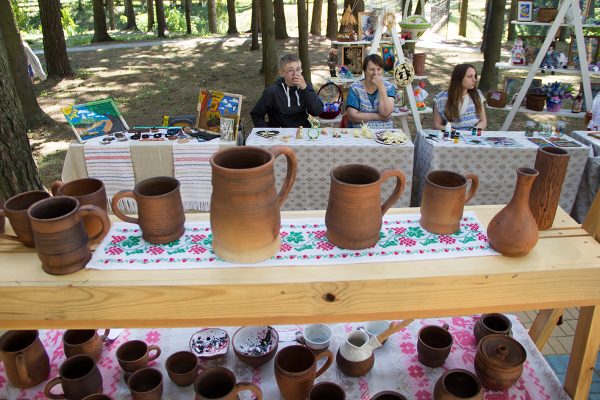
[
  {"x": 192, "y": 168},
  {"x": 396, "y": 364},
  {"x": 303, "y": 242}
]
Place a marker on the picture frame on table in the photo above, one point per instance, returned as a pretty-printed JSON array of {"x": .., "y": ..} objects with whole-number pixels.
[
  {"x": 525, "y": 11},
  {"x": 95, "y": 118},
  {"x": 512, "y": 85},
  {"x": 367, "y": 22},
  {"x": 592, "y": 46},
  {"x": 352, "y": 58},
  {"x": 214, "y": 105}
]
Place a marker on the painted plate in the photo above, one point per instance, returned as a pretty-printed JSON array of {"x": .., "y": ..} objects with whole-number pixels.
[{"x": 210, "y": 343}]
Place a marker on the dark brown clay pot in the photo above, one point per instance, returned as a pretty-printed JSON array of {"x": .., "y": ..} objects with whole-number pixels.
[
  {"x": 146, "y": 384},
  {"x": 25, "y": 360},
  {"x": 220, "y": 383},
  {"x": 15, "y": 209},
  {"x": 513, "y": 231},
  {"x": 458, "y": 384},
  {"x": 78, "y": 376},
  {"x": 245, "y": 208},
  {"x": 355, "y": 368},
  {"x": 326, "y": 391},
  {"x": 182, "y": 367},
  {"x": 388, "y": 395},
  {"x": 499, "y": 361},
  {"x": 354, "y": 210},
  {"x": 490, "y": 324},
  {"x": 97, "y": 396},
  {"x": 296, "y": 370},
  {"x": 84, "y": 341},
  {"x": 551, "y": 162}
]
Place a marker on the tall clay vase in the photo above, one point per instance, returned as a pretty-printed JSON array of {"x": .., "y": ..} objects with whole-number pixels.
[
  {"x": 245, "y": 207},
  {"x": 513, "y": 231},
  {"x": 551, "y": 162}
]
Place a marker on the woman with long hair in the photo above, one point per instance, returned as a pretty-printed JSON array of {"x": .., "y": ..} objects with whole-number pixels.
[{"x": 462, "y": 103}]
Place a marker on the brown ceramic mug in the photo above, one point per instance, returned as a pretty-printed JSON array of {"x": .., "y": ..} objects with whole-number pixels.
[
  {"x": 97, "y": 396},
  {"x": 182, "y": 367},
  {"x": 25, "y": 360},
  {"x": 146, "y": 384},
  {"x": 84, "y": 341},
  {"x": 60, "y": 238},
  {"x": 89, "y": 191},
  {"x": 78, "y": 376},
  {"x": 457, "y": 384},
  {"x": 296, "y": 370},
  {"x": 220, "y": 383},
  {"x": 434, "y": 344},
  {"x": 245, "y": 207},
  {"x": 160, "y": 210},
  {"x": 326, "y": 391},
  {"x": 493, "y": 323},
  {"x": 135, "y": 354},
  {"x": 354, "y": 210},
  {"x": 15, "y": 209},
  {"x": 388, "y": 395},
  {"x": 443, "y": 201}
]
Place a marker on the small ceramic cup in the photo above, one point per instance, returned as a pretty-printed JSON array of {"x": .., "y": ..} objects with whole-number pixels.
[
  {"x": 84, "y": 341},
  {"x": 135, "y": 354},
  {"x": 434, "y": 344},
  {"x": 146, "y": 384},
  {"x": 182, "y": 367},
  {"x": 255, "y": 345},
  {"x": 458, "y": 384},
  {"x": 374, "y": 328},
  {"x": 388, "y": 395},
  {"x": 326, "y": 391},
  {"x": 316, "y": 337}
]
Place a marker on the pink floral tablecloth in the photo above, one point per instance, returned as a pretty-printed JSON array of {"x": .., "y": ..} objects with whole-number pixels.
[{"x": 396, "y": 364}]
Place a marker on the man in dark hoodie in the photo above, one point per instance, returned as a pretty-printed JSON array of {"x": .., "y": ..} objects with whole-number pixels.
[{"x": 289, "y": 101}]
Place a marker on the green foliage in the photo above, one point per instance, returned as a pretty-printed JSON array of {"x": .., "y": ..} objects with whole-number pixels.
[
  {"x": 69, "y": 26},
  {"x": 26, "y": 19},
  {"x": 175, "y": 19}
]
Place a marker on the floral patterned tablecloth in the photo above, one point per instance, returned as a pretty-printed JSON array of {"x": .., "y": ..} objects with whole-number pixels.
[{"x": 396, "y": 364}]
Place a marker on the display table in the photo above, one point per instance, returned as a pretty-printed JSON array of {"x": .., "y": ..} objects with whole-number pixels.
[
  {"x": 561, "y": 271},
  {"x": 495, "y": 166},
  {"x": 590, "y": 181},
  {"x": 316, "y": 159}
]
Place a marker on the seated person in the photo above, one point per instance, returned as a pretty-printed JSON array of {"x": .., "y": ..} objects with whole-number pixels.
[
  {"x": 462, "y": 103},
  {"x": 289, "y": 101},
  {"x": 371, "y": 100}
]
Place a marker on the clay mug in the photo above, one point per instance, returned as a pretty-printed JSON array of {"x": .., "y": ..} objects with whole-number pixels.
[
  {"x": 89, "y": 191},
  {"x": 218, "y": 383},
  {"x": 15, "y": 209},
  {"x": 326, "y": 391},
  {"x": 443, "y": 201},
  {"x": 135, "y": 354},
  {"x": 388, "y": 395},
  {"x": 160, "y": 210},
  {"x": 97, "y": 396},
  {"x": 296, "y": 370},
  {"x": 182, "y": 367},
  {"x": 61, "y": 241},
  {"x": 25, "y": 360},
  {"x": 146, "y": 384},
  {"x": 458, "y": 384},
  {"x": 316, "y": 337},
  {"x": 84, "y": 341},
  {"x": 245, "y": 208},
  {"x": 78, "y": 376},
  {"x": 434, "y": 344},
  {"x": 493, "y": 323},
  {"x": 354, "y": 210}
]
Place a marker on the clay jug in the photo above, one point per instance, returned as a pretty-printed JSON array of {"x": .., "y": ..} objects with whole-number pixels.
[
  {"x": 15, "y": 209},
  {"x": 25, "y": 360},
  {"x": 354, "y": 210},
  {"x": 513, "y": 231},
  {"x": 499, "y": 361},
  {"x": 458, "y": 384},
  {"x": 245, "y": 208},
  {"x": 551, "y": 163}
]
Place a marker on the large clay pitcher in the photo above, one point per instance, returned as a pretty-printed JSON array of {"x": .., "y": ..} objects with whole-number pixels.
[
  {"x": 25, "y": 360},
  {"x": 513, "y": 231},
  {"x": 354, "y": 210},
  {"x": 245, "y": 208},
  {"x": 551, "y": 162}
]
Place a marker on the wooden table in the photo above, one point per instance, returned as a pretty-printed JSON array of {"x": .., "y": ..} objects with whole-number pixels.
[{"x": 562, "y": 271}]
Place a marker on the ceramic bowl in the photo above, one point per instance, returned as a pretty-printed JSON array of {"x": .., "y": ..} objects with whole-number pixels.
[
  {"x": 210, "y": 343},
  {"x": 255, "y": 345}
]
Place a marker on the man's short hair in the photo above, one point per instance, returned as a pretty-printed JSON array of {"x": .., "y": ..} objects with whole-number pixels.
[
  {"x": 375, "y": 59},
  {"x": 286, "y": 59}
]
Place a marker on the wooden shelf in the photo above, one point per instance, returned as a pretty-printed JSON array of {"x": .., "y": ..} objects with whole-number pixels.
[
  {"x": 560, "y": 71},
  {"x": 561, "y": 113},
  {"x": 427, "y": 110}
]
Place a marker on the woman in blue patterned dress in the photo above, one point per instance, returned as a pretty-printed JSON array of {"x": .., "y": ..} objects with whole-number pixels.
[
  {"x": 371, "y": 100},
  {"x": 462, "y": 104}
]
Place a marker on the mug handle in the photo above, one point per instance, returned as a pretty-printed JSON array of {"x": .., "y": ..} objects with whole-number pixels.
[
  {"x": 114, "y": 204},
  {"x": 398, "y": 190},
  {"x": 155, "y": 356},
  {"x": 327, "y": 364},
  {"x": 474, "y": 185},
  {"x": 22, "y": 368},
  {"x": 290, "y": 176},
  {"x": 101, "y": 215},
  {"x": 56, "y": 185},
  {"x": 105, "y": 335},
  {"x": 241, "y": 386},
  {"x": 49, "y": 386},
  {"x": 4, "y": 235}
]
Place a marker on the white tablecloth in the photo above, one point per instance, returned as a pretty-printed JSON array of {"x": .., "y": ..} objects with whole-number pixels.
[
  {"x": 495, "y": 166},
  {"x": 316, "y": 158},
  {"x": 590, "y": 182}
]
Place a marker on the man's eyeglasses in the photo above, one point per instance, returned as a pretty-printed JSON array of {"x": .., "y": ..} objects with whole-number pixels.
[{"x": 291, "y": 71}]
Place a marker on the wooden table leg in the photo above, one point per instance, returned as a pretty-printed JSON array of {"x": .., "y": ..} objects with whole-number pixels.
[
  {"x": 544, "y": 324},
  {"x": 583, "y": 354},
  {"x": 404, "y": 122}
]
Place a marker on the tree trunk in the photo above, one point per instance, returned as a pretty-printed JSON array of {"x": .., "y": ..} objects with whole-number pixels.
[
  {"x": 150, "y": 7},
  {"x": 188, "y": 16},
  {"x": 280, "y": 25},
  {"x": 161, "y": 22},
  {"x": 491, "y": 55},
  {"x": 110, "y": 4},
  {"x": 486, "y": 24},
  {"x": 100, "y": 29},
  {"x": 255, "y": 24},
  {"x": 303, "y": 40},
  {"x": 232, "y": 29},
  {"x": 512, "y": 16},
  {"x": 130, "y": 13},
  {"x": 19, "y": 172},
  {"x": 18, "y": 65},
  {"x": 212, "y": 16},
  {"x": 55, "y": 48},
  {"x": 462, "y": 25},
  {"x": 419, "y": 9},
  {"x": 332, "y": 23},
  {"x": 268, "y": 42},
  {"x": 315, "y": 26}
]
